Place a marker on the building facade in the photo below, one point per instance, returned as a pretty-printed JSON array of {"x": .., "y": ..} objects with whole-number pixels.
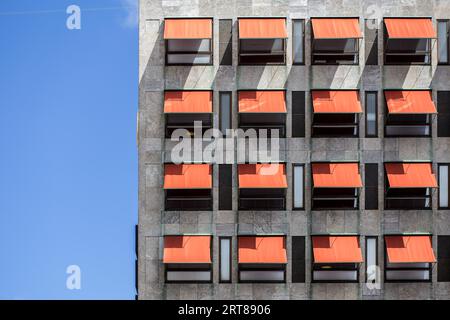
[{"x": 357, "y": 206}]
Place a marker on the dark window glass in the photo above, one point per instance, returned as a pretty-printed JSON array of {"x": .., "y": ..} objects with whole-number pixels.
[
  {"x": 298, "y": 259},
  {"x": 371, "y": 41},
  {"x": 225, "y": 42},
  {"x": 371, "y": 186},
  {"x": 225, "y": 187},
  {"x": 443, "y": 258},
  {"x": 443, "y": 106},
  {"x": 298, "y": 114}
]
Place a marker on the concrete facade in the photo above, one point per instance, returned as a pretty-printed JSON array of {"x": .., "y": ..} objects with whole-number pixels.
[{"x": 154, "y": 150}]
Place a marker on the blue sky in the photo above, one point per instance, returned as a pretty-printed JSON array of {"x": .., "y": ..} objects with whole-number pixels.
[{"x": 68, "y": 158}]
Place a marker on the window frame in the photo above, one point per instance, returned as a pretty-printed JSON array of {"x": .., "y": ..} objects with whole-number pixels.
[
  {"x": 386, "y": 268},
  {"x": 385, "y": 49},
  {"x": 447, "y": 22},
  {"x": 366, "y": 93},
  {"x": 230, "y": 239},
  {"x": 303, "y": 40},
  {"x": 356, "y": 198},
  {"x": 357, "y": 45},
  {"x": 377, "y": 262},
  {"x": 254, "y": 266},
  {"x": 429, "y": 125},
  {"x": 211, "y": 47},
  {"x": 197, "y": 267},
  {"x": 386, "y": 198},
  {"x": 356, "y": 125},
  {"x": 439, "y": 165},
  {"x": 182, "y": 126},
  {"x": 302, "y": 208},
  {"x": 313, "y": 267}
]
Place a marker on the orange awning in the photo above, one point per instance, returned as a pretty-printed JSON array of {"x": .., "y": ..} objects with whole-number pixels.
[
  {"x": 187, "y": 28},
  {"x": 410, "y": 175},
  {"x": 410, "y": 28},
  {"x": 265, "y": 28},
  {"x": 336, "y": 249},
  {"x": 410, "y": 102},
  {"x": 187, "y": 249},
  {"x": 340, "y": 101},
  {"x": 336, "y": 28},
  {"x": 269, "y": 175},
  {"x": 188, "y": 102},
  {"x": 336, "y": 175},
  {"x": 262, "y": 101},
  {"x": 187, "y": 176},
  {"x": 262, "y": 249},
  {"x": 409, "y": 249}
]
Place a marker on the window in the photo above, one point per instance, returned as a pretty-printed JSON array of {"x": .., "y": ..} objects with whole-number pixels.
[
  {"x": 372, "y": 268},
  {"x": 371, "y": 186},
  {"x": 298, "y": 114},
  {"x": 187, "y": 259},
  {"x": 443, "y": 41},
  {"x": 225, "y": 43},
  {"x": 225, "y": 112},
  {"x": 298, "y": 259},
  {"x": 443, "y": 271},
  {"x": 335, "y": 113},
  {"x": 186, "y": 109},
  {"x": 336, "y": 258},
  {"x": 263, "y": 111},
  {"x": 408, "y": 258},
  {"x": 188, "y": 41},
  {"x": 371, "y": 41},
  {"x": 371, "y": 114},
  {"x": 299, "y": 184},
  {"x": 262, "y": 41},
  {"x": 225, "y": 187},
  {"x": 335, "y": 41},
  {"x": 443, "y": 121},
  {"x": 408, "y": 186},
  {"x": 408, "y": 113},
  {"x": 444, "y": 186},
  {"x": 262, "y": 186},
  {"x": 225, "y": 259},
  {"x": 262, "y": 259},
  {"x": 408, "y": 41},
  {"x": 188, "y": 187},
  {"x": 298, "y": 44},
  {"x": 335, "y": 186}
]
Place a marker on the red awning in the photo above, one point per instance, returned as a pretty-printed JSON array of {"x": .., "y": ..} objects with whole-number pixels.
[
  {"x": 187, "y": 249},
  {"x": 266, "y": 249},
  {"x": 187, "y": 176},
  {"x": 262, "y": 101},
  {"x": 410, "y": 175},
  {"x": 337, "y": 101},
  {"x": 410, "y": 102},
  {"x": 188, "y": 102},
  {"x": 336, "y": 249},
  {"x": 336, "y": 175},
  {"x": 410, "y": 28},
  {"x": 336, "y": 28},
  {"x": 254, "y": 176},
  {"x": 409, "y": 249},
  {"x": 187, "y": 29},
  {"x": 265, "y": 28}
]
